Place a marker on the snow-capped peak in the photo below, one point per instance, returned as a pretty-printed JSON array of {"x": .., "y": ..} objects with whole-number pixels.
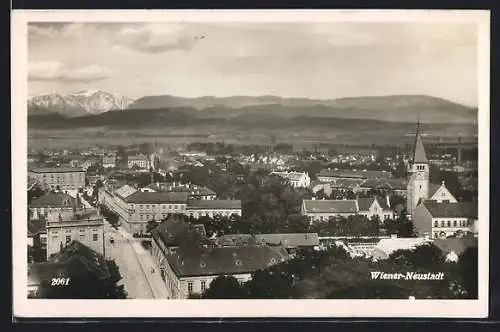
[{"x": 80, "y": 103}]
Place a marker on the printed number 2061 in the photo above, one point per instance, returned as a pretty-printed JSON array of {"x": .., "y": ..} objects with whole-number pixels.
[{"x": 60, "y": 282}]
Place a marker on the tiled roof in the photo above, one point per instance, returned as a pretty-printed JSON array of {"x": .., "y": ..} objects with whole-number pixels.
[
  {"x": 201, "y": 261},
  {"x": 175, "y": 232},
  {"x": 170, "y": 187},
  {"x": 451, "y": 210},
  {"x": 365, "y": 203},
  {"x": 57, "y": 170},
  {"x": 157, "y": 197},
  {"x": 75, "y": 261},
  {"x": 55, "y": 200},
  {"x": 216, "y": 204},
  {"x": 330, "y": 206},
  {"x": 457, "y": 245}
]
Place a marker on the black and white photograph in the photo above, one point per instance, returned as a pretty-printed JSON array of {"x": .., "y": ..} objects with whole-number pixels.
[{"x": 174, "y": 160}]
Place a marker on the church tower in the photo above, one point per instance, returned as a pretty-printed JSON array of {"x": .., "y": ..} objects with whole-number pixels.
[{"x": 418, "y": 182}]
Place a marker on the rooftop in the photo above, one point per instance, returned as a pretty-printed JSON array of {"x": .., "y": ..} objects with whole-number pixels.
[
  {"x": 140, "y": 197},
  {"x": 451, "y": 210},
  {"x": 214, "y": 204},
  {"x": 57, "y": 170},
  {"x": 354, "y": 174},
  {"x": 224, "y": 260},
  {"x": 330, "y": 206},
  {"x": 55, "y": 200}
]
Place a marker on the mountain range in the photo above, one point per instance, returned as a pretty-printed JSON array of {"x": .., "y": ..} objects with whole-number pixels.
[
  {"x": 98, "y": 108},
  {"x": 77, "y": 104}
]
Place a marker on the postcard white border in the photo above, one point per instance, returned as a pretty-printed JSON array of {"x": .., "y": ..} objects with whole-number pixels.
[{"x": 37, "y": 308}]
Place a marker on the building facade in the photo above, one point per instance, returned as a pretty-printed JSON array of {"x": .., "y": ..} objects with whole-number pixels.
[
  {"x": 83, "y": 225},
  {"x": 140, "y": 161},
  {"x": 295, "y": 179},
  {"x": 59, "y": 178},
  {"x": 443, "y": 219},
  {"x": 41, "y": 206}
]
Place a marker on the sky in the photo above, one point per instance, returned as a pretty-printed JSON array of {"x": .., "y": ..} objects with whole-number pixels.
[{"x": 313, "y": 60}]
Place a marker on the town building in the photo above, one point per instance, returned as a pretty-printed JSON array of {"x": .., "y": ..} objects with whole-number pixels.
[
  {"x": 189, "y": 269},
  {"x": 295, "y": 179},
  {"x": 392, "y": 186},
  {"x": 140, "y": 161},
  {"x": 59, "y": 178},
  {"x": 109, "y": 160},
  {"x": 212, "y": 208},
  {"x": 135, "y": 208},
  {"x": 84, "y": 225},
  {"x": 323, "y": 210},
  {"x": 329, "y": 175},
  {"x": 75, "y": 261},
  {"x": 443, "y": 219},
  {"x": 37, "y": 233},
  {"x": 40, "y": 207},
  {"x": 419, "y": 187},
  {"x": 194, "y": 191},
  {"x": 375, "y": 207}
]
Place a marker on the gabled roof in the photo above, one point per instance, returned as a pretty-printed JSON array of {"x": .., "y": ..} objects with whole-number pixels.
[
  {"x": 216, "y": 204},
  {"x": 391, "y": 184},
  {"x": 451, "y": 210},
  {"x": 433, "y": 188},
  {"x": 199, "y": 261},
  {"x": 53, "y": 200},
  {"x": 365, "y": 203},
  {"x": 330, "y": 206}
]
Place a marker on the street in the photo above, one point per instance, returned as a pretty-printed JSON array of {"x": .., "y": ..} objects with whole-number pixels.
[{"x": 134, "y": 278}]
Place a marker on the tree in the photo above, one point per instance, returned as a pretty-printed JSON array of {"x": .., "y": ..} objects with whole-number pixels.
[
  {"x": 224, "y": 287},
  {"x": 426, "y": 256},
  {"x": 468, "y": 269},
  {"x": 87, "y": 286}
]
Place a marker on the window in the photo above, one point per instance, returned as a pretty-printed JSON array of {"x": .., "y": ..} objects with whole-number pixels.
[
  {"x": 95, "y": 237},
  {"x": 454, "y": 223},
  {"x": 436, "y": 224},
  {"x": 68, "y": 238},
  {"x": 442, "y": 223},
  {"x": 82, "y": 237},
  {"x": 436, "y": 235},
  {"x": 203, "y": 285},
  {"x": 190, "y": 287},
  {"x": 448, "y": 223}
]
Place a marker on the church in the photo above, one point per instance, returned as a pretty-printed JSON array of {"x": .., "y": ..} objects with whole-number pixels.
[{"x": 434, "y": 210}]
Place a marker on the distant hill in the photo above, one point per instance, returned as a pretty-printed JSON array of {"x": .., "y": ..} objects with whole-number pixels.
[{"x": 398, "y": 108}]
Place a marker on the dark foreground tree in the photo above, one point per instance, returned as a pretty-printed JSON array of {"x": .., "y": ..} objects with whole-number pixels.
[
  {"x": 468, "y": 269},
  {"x": 86, "y": 286},
  {"x": 224, "y": 287}
]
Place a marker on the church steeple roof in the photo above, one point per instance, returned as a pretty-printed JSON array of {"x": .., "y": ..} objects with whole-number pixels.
[{"x": 419, "y": 155}]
